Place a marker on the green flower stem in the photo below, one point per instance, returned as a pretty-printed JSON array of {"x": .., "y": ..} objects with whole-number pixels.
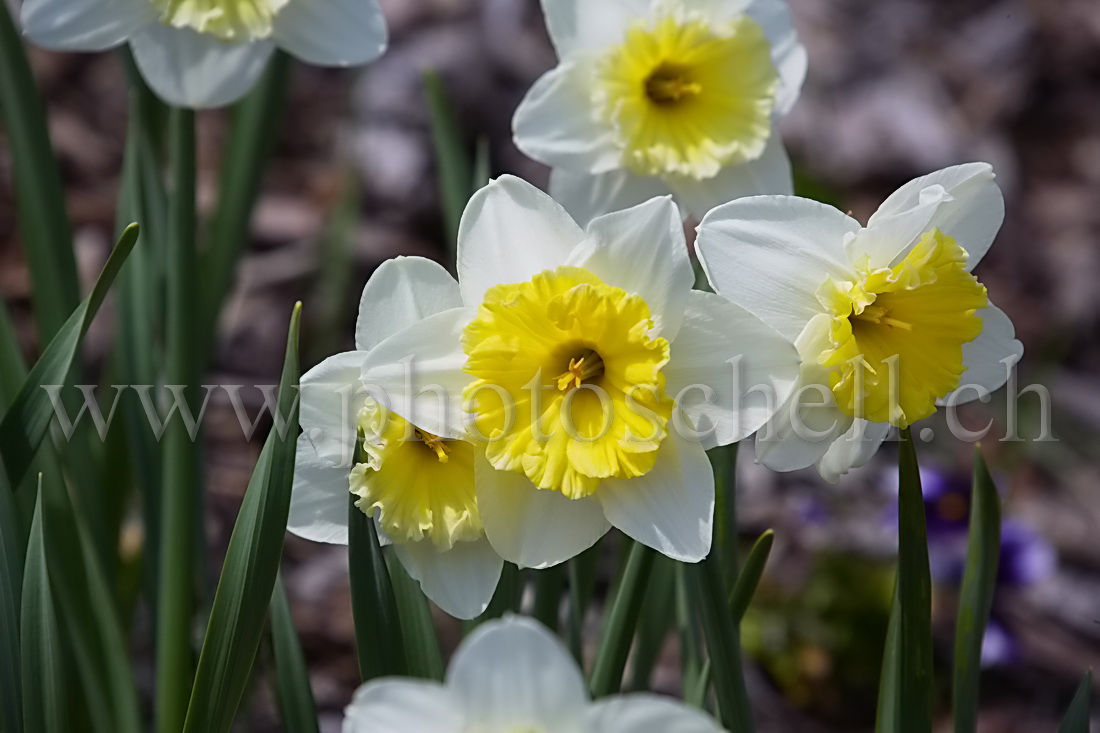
[
  {"x": 180, "y": 484},
  {"x": 255, "y": 124},
  {"x": 723, "y": 640},
  {"x": 621, "y": 621},
  {"x": 914, "y": 598}
]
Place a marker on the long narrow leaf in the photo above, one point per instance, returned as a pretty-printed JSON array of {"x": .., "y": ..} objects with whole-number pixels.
[
  {"x": 549, "y": 584},
  {"x": 26, "y": 421},
  {"x": 44, "y": 223},
  {"x": 723, "y": 640},
  {"x": 296, "y": 704},
  {"x": 379, "y": 636},
  {"x": 1077, "y": 717},
  {"x": 582, "y": 576},
  {"x": 658, "y": 618},
  {"x": 89, "y": 621},
  {"x": 976, "y": 596},
  {"x": 740, "y": 597},
  {"x": 251, "y": 564},
  {"x": 12, "y": 545},
  {"x": 914, "y": 599},
  {"x": 621, "y": 621},
  {"x": 749, "y": 577},
  {"x": 45, "y": 703},
  {"x": 886, "y": 716},
  {"x": 421, "y": 643},
  {"x": 506, "y": 598},
  {"x": 452, "y": 158}
]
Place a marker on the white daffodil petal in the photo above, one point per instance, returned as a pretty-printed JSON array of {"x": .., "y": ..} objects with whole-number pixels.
[
  {"x": 331, "y": 397},
  {"x": 515, "y": 675},
  {"x": 403, "y": 706},
  {"x": 971, "y": 212},
  {"x": 852, "y": 450},
  {"x": 642, "y": 250},
  {"x": 418, "y": 373},
  {"x": 771, "y": 254},
  {"x": 401, "y": 292},
  {"x": 510, "y": 232},
  {"x": 530, "y": 527},
  {"x": 319, "y": 497},
  {"x": 988, "y": 358},
  {"x": 577, "y": 25},
  {"x": 555, "y": 123},
  {"x": 461, "y": 580},
  {"x": 587, "y": 196},
  {"x": 84, "y": 25},
  {"x": 788, "y": 55},
  {"x": 768, "y": 174},
  {"x": 671, "y": 508},
  {"x": 891, "y": 238},
  {"x": 643, "y": 713},
  {"x": 729, "y": 371},
  {"x": 802, "y": 430},
  {"x": 190, "y": 69},
  {"x": 332, "y": 32}
]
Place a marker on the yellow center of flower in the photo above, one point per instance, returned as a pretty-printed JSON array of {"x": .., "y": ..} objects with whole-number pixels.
[
  {"x": 568, "y": 386},
  {"x": 419, "y": 485},
  {"x": 895, "y": 338},
  {"x": 236, "y": 21},
  {"x": 689, "y": 97}
]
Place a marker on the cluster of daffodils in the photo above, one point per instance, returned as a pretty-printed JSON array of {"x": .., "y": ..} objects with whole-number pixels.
[
  {"x": 571, "y": 378},
  {"x": 209, "y": 53},
  {"x": 512, "y": 676},
  {"x": 569, "y": 381}
]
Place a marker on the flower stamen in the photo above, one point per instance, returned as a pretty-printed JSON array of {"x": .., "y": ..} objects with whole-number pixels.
[
  {"x": 670, "y": 84},
  {"x": 435, "y": 444},
  {"x": 587, "y": 367}
]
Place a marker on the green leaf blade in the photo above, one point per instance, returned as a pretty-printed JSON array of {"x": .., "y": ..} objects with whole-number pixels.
[
  {"x": 621, "y": 621},
  {"x": 26, "y": 421},
  {"x": 379, "y": 637},
  {"x": 44, "y": 699},
  {"x": 251, "y": 566},
  {"x": 914, "y": 597},
  {"x": 292, "y": 688},
  {"x": 44, "y": 222},
  {"x": 1077, "y": 716},
  {"x": 976, "y": 595}
]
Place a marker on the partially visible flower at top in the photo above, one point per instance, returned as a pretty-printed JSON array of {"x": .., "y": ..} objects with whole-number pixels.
[
  {"x": 209, "y": 53},
  {"x": 888, "y": 319},
  {"x": 663, "y": 96},
  {"x": 590, "y": 371},
  {"x": 417, "y": 487},
  {"x": 513, "y": 676}
]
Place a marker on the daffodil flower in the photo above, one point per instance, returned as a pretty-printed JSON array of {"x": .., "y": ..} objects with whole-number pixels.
[
  {"x": 209, "y": 53},
  {"x": 513, "y": 676},
  {"x": 663, "y": 96},
  {"x": 888, "y": 318},
  {"x": 591, "y": 373},
  {"x": 418, "y": 487}
]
